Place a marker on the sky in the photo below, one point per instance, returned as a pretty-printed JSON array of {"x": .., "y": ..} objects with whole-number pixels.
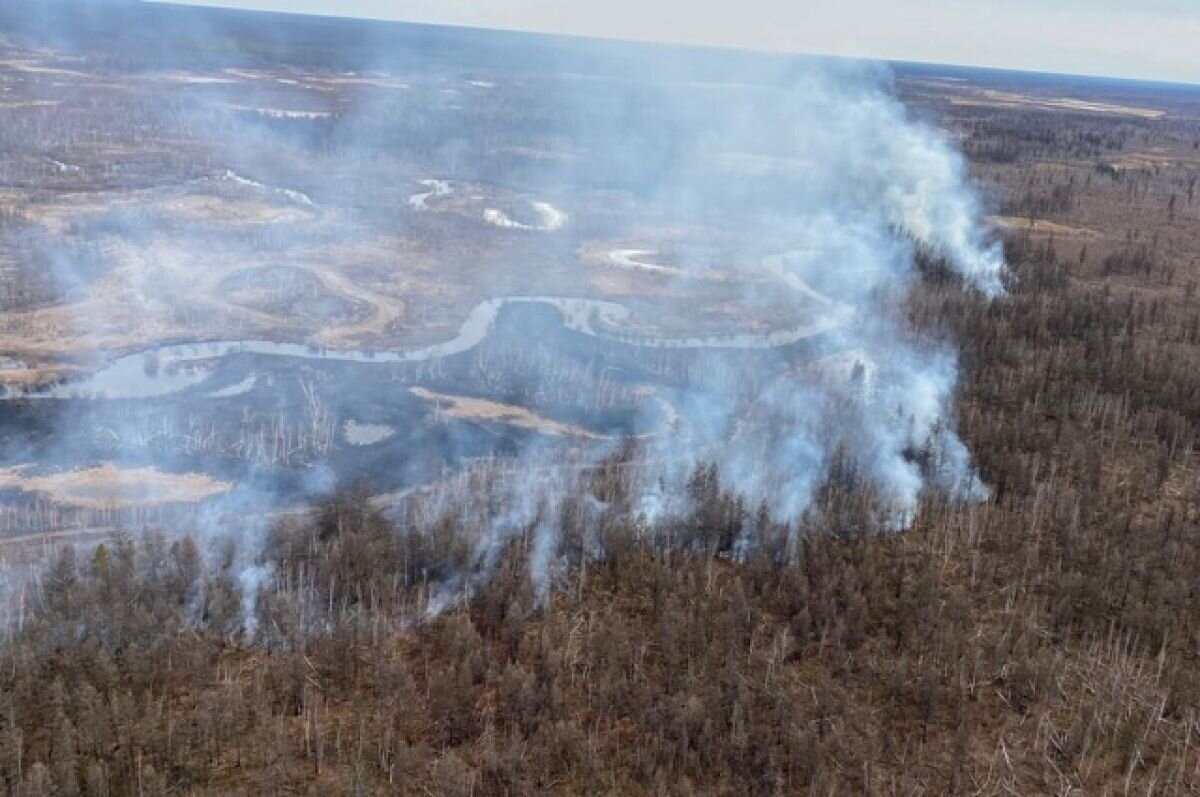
[{"x": 1149, "y": 39}]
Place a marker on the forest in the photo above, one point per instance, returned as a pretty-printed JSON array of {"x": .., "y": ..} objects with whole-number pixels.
[{"x": 1042, "y": 640}]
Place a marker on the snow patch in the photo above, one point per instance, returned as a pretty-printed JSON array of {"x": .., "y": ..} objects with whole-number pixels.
[
  {"x": 420, "y": 201},
  {"x": 551, "y": 218},
  {"x": 366, "y": 434}
]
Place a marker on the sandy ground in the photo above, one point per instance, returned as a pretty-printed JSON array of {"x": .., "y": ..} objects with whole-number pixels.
[
  {"x": 483, "y": 411},
  {"x": 1008, "y": 99},
  {"x": 160, "y": 288},
  {"x": 109, "y": 487},
  {"x": 386, "y": 310},
  {"x": 1041, "y": 226}
]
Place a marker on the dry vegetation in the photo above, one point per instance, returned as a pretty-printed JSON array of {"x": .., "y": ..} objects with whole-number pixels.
[
  {"x": 1042, "y": 643},
  {"x": 1046, "y": 641},
  {"x": 149, "y": 206},
  {"x": 107, "y": 486},
  {"x": 484, "y": 411}
]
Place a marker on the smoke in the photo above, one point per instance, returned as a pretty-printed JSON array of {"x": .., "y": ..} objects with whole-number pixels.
[
  {"x": 729, "y": 243},
  {"x": 833, "y": 188}
]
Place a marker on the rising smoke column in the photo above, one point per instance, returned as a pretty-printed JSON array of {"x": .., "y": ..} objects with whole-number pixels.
[
  {"x": 849, "y": 186},
  {"x": 833, "y": 187}
]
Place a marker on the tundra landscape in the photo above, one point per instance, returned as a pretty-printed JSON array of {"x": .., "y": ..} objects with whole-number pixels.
[{"x": 399, "y": 409}]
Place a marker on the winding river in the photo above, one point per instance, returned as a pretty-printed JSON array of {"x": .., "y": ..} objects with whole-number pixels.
[{"x": 170, "y": 368}]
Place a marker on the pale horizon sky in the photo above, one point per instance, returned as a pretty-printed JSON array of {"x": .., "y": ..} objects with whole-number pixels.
[{"x": 1146, "y": 39}]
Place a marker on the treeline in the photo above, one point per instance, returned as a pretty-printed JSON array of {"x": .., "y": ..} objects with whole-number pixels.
[
  {"x": 1011, "y": 136},
  {"x": 142, "y": 669}
]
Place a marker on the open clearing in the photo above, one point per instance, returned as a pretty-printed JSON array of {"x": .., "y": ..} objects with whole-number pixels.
[
  {"x": 1007, "y": 99},
  {"x": 484, "y": 411},
  {"x": 1041, "y": 226},
  {"x": 109, "y": 487}
]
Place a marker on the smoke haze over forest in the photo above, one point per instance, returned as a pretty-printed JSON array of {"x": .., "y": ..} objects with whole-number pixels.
[
  {"x": 732, "y": 256},
  {"x": 396, "y": 408}
]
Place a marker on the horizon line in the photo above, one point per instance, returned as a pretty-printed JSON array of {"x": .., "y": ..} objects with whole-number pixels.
[{"x": 221, "y": 5}]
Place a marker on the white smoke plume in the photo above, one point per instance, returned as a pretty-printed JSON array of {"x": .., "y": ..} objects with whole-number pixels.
[
  {"x": 854, "y": 187},
  {"x": 844, "y": 188},
  {"x": 764, "y": 221}
]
